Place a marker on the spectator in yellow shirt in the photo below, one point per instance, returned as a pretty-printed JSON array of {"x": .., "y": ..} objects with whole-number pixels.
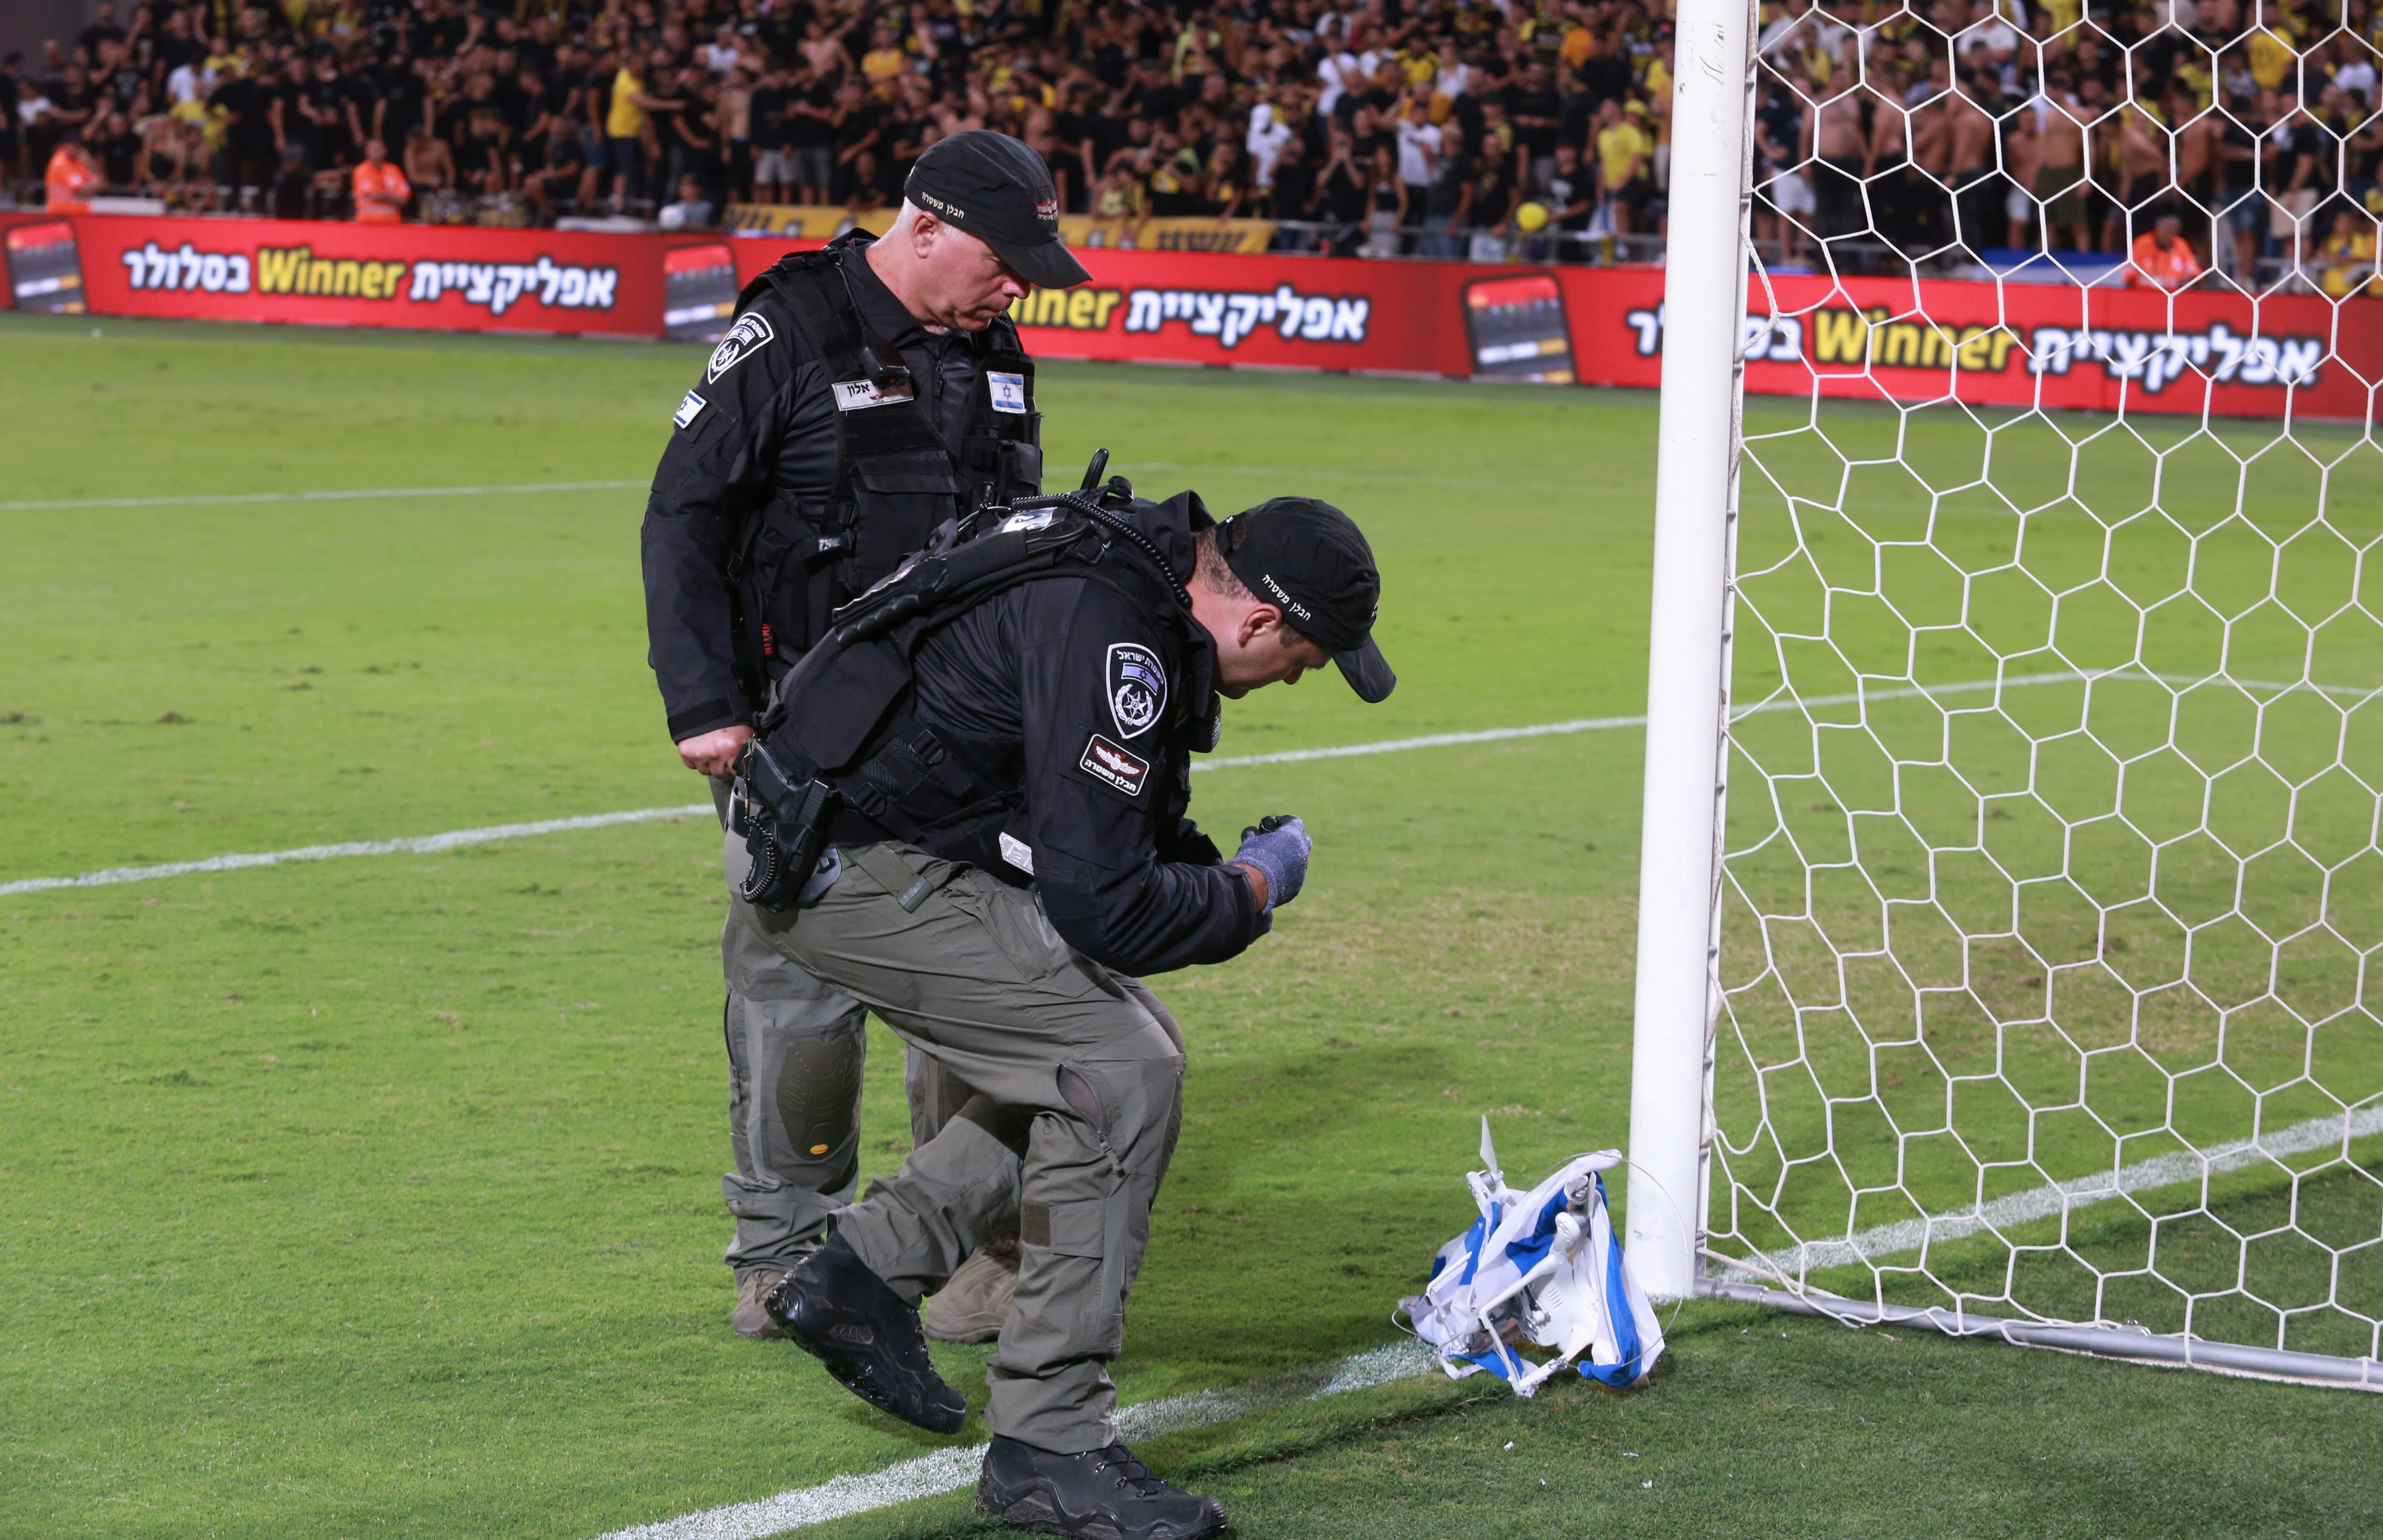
[
  {"x": 1625, "y": 158},
  {"x": 2272, "y": 57},
  {"x": 2346, "y": 260},
  {"x": 626, "y": 125},
  {"x": 884, "y": 59}
]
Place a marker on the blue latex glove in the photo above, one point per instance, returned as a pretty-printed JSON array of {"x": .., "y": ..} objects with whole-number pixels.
[{"x": 1278, "y": 847}]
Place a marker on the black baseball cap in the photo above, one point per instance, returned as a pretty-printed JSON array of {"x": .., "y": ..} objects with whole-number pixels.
[
  {"x": 1309, "y": 559},
  {"x": 995, "y": 189}
]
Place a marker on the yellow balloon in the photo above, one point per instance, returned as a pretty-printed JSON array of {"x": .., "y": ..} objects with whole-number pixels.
[{"x": 1532, "y": 216}]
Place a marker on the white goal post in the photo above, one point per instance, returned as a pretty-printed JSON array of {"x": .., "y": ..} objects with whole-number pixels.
[{"x": 2010, "y": 927}]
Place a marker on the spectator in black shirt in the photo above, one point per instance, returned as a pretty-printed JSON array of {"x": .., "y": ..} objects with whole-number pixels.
[
  {"x": 1447, "y": 200},
  {"x": 812, "y": 117},
  {"x": 1568, "y": 192},
  {"x": 1604, "y": 76},
  {"x": 773, "y": 167},
  {"x": 119, "y": 82},
  {"x": 118, "y": 149},
  {"x": 1152, "y": 95},
  {"x": 1294, "y": 192},
  {"x": 103, "y": 29},
  {"x": 1533, "y": 107},
  {"x": 697, "y": 147},
  {"x": 73, "y": 104},
  {"x": 328, "y": 107},
  {"x": 563, "y": 175},
  {"x": 1344, "y": 191},
  {"x": 442, "y": 31},
  {"x": 540, "y": 107},
  {"x": 484, "y": 158},
  {"x": 249, "y": 157},
  {"x": 1492, "y": 195},
  {"x": 857, "y": 133}
]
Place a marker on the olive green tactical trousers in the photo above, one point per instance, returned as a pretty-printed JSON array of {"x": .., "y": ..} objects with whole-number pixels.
[
  {"x": 1080, "y": 1072},
  {"x": 795, "y": 1048}
]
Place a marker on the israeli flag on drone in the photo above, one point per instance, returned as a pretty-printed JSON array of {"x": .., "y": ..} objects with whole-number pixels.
[{"x": 1542, "y": 1267}]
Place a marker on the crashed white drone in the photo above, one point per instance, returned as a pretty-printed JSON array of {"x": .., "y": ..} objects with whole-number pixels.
[{"x": 1542, "y": 1267}]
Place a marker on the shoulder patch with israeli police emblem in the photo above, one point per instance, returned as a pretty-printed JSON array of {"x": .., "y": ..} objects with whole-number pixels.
[
  {"x": 687, "y": 409},
  {"x": 748, "y": 335},
  {"x": 1108, "y": 762},
  {"x": 1008, "y": 392},
  {"x": 1137, "y": 686}
]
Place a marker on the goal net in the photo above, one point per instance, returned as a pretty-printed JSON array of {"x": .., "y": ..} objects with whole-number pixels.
[{"x": 2044, "y": 988}]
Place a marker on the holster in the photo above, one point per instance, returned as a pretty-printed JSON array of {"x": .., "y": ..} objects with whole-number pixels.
[{"x": 784, "y": 821}]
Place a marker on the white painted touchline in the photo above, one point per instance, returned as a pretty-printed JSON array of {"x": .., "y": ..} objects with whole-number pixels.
[
  {"x": 1596, "y": 724},
  {"x": 322, "y": 497},
  {"x": 2101, "y": 1187},
  {"x": 420, "y": 845},
  {"x": 951, "y": 1470},
  {"x": 428, "y": 842}
]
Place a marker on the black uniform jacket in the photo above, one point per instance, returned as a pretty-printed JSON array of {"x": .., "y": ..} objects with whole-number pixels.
[
  {"x": 765, "y": 425},
  {"x": 1092, "y": 704}
]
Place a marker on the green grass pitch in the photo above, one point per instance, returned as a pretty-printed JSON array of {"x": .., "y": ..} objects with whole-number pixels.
[{"x": 379, "y": 1197}]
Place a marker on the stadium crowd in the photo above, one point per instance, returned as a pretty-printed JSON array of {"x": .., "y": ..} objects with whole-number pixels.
[
  {"x": 2182, "y": 134},
  {"x": 1393, "y": 113},
  {"x": 1413, "y": 126}
]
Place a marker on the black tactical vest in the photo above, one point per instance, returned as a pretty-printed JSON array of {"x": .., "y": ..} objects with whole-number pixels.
[
  {"x": 896, "y": 479},
  {"x": 845, "y": 717}
]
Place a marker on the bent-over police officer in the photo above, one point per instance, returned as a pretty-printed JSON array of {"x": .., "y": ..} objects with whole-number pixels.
[
  {"x": 862, "y": 395},
  {"x": 968, "y": 812}
]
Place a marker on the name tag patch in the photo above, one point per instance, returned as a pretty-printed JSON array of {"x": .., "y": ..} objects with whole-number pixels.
[
  {"x": 1008, "y": 392},
  {"x": 1033, "y": 518},
  {"x": 858, "y": 395},
  {"x": 1106, "y": 761},
  {"x": 687, "y": 409}
]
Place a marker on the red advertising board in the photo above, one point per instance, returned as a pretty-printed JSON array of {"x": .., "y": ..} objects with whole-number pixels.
[
  {"x": 2007, "y": 344},
  {"x": 2057, "y": 346},
  {"x": 420, "y": 275},
  {"x": 2004, "y": 344}
]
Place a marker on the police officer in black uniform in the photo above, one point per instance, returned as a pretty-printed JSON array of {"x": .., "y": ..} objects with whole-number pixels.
[
  {"x": 863, "y": 395},
  {"x": 966, "y": 811}
]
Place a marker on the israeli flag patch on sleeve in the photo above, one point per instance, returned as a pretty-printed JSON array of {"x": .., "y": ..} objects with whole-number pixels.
[
  {"x": 1008, "y": 392},
  {"x": 687, "y": 409}
]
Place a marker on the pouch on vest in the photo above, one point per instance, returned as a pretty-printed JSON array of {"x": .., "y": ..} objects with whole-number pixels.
[
  {"x": 898, "y": 478},
  {"x": 898, "y": 498}
]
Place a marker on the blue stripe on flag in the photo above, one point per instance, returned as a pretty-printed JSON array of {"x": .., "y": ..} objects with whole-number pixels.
[
  {"x": 1618, "y": 1315},
  {"x": 1472, "y": 1239},
  {"x": 1529, "y": 1252},
  {"x": 1494, "y": 1362}
]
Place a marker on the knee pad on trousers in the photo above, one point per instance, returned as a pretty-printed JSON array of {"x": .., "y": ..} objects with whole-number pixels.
[{"x": 818, "y": 1095}]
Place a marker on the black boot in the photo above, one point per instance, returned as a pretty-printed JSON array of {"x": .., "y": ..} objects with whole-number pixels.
[
  {"x": 1103, "y": 1494},
  {"x": 840, "y": 1313}
]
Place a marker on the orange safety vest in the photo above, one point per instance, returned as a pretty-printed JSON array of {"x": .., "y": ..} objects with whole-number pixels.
[
  {"x": 68, "y": 179},
  {"x": 2171, "y": 269},
  {"x": 385, "y": 178}
]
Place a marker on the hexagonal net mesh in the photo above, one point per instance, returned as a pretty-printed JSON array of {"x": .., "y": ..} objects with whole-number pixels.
[{"x": 2050, "y": 894}]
